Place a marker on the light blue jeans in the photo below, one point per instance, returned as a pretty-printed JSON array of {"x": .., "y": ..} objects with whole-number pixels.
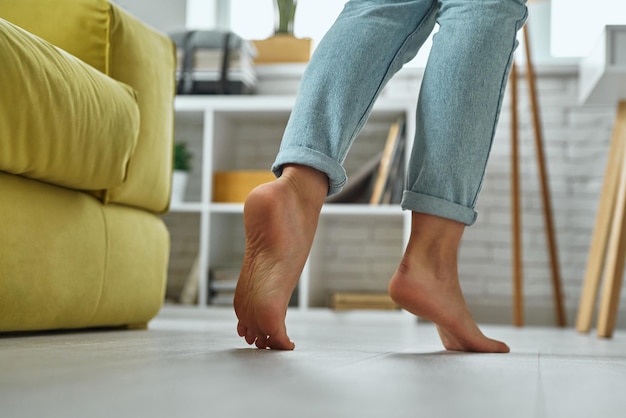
[{"x": 459, "y": 101}]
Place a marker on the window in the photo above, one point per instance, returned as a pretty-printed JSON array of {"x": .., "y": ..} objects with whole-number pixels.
[{"x": 254, "y": 19}]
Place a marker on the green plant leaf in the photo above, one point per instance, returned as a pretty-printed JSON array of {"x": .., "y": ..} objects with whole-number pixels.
[
  {"x": 286, "y": 13},
  {"x": 182, "y": 157}
]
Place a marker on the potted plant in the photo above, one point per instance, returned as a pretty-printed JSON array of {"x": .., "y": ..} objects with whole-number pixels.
[
  {"x": 283, "y": 46},
  {"x": 285, "y": 11},
  {"x": 182, "y": 166}
]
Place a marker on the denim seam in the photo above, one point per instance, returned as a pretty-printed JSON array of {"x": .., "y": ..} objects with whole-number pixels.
[
  {"x": 386, "y": 78},
  {"x": 500, "y": 100}
]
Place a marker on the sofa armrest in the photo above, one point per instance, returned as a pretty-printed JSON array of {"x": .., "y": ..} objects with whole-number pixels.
[
  {"x": 119, "y": 45},
  {"x": 62, "y": 121},
  {"x": 146, "y": 60}
]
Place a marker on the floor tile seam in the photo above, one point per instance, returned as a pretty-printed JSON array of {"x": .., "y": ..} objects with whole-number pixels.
[
  {"x": 338, "y": 369},
  {"x": 583, "y": 358},
  {"x": 540, "y": 404},
  {"x": 343, "y": 367}
]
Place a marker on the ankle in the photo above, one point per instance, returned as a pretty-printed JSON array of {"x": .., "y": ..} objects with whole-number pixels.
[
  {"x": 435, "y": 235},
  {"x": 433, "y": 245},
  {"x": 310, "y": 185}
]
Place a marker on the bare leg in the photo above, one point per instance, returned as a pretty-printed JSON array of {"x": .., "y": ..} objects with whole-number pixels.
[
  {"x": 280, "y": 219},
  {"x": 427, "y": 285}
]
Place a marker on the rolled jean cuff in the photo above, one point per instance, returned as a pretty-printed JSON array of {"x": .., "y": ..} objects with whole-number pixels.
[
  {"x": 311, "y": 158},
  {"x": 422, "y": 203}
]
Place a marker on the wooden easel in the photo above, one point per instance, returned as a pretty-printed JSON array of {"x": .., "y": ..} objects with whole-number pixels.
[
  {"x": 518, "y": 294},
  {"x": 608, "y": 244}
]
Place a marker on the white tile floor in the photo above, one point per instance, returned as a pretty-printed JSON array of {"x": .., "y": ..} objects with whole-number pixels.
[{"x": 192, "y": 364}]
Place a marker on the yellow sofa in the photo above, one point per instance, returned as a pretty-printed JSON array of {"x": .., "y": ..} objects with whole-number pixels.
[{"x": 86, "y": 128}]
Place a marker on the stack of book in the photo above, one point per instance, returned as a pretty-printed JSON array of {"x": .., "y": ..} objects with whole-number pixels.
[
  {"x": 361, "y": 300},
  {"x": 222, "y": 283},
  {"x": 214, "y": 62},
  {"x": 381, "y": 179}
]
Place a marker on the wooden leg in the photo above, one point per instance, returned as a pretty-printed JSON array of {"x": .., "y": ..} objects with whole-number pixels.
[
  {"x": 616, "y": 253},
  {"x": 600, "y": 237},
  {"x": 518, "y": 291},
  {"x": 545, "y": 188}
]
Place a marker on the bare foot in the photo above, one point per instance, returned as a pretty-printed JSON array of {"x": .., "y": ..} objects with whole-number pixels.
[
  {"x": 280, "y": 219},
  {"x": 426, "y": 284}
]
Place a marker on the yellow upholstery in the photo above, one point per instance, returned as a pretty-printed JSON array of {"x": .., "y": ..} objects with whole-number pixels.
[
  {"x": 149, "y": 172},
  {"x": 93, "y": 151},
  {"x": 67, "y": 258},
  {"x": 81, "y": 28},
  {"x": 70, "y": 262},
  {"x": 114, "y": 42}
]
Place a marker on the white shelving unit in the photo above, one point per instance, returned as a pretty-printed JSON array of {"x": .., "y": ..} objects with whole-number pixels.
[{"x": 244, "y": 132}]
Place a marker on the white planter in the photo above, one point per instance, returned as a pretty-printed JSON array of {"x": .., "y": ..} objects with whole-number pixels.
[{"x": 179, "y": 185}]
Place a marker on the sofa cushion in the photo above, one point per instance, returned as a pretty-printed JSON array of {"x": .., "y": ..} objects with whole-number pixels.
[
  {"x": 146, "y": 60},
  {"x": 81, "y": 28},
  {"x": 67, "y": 261},
  {"x": 62, "y": 121}
]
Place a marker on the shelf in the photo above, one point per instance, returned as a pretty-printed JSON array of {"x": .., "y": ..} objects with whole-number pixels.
[
  {"x": 226, "y": 207},
  {"x": 229, "y": 133},
  {"x": 327, "y": 209},
  {"x": 361, "y": 209},
  {"x": 243, "y": 103},
  {"x": 186, "y": 207},
  {"x": 264, "y": 103}
]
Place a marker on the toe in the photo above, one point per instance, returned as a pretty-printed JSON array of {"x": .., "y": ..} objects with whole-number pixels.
[
  {"x": 501, "y": 347},
  {"x": 280, "y": 341},
  {"x": 250, "y": 337},
  {"x": 242, "y": 330},
  {"x": 261, "y": 342}
]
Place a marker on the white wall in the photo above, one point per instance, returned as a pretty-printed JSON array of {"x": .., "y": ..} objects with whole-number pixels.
[
  {"x": 576, "y": 139},
  {"x": 164, "y": 15},
  {"x": 578, "y": 24}
]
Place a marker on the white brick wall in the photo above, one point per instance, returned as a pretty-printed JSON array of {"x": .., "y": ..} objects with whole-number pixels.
[
  {"x": 353, "y": 253},
  {"x": 576, "y": 141},
  {"x": 185, "y": 235},
  {"x": 362, "y": 253}
]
